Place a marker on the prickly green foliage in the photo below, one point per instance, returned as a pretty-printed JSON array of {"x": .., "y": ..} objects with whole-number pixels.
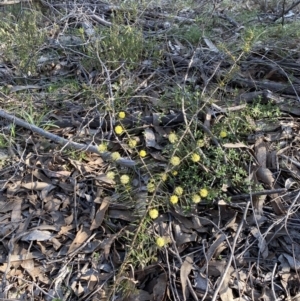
[{"x": 23, "y": 40}]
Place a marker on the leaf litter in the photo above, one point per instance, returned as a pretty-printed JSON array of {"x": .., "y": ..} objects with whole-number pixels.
[{"x": 64, "y": 236}]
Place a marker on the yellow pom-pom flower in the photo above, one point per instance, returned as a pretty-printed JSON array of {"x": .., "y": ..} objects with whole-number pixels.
[
  {"x": 223, "y": 134},
  {"x": 196, "y": 198},
  {"x": 203, "y": 192},
  {"x": 175, "y": 161},
  {"x": 143, "y": 153},
  {"x": 163, "y": 177},
  {"x": 102, "y": 148},
  {"x": 124, "y": 179},
  {"x": 153, "y": 213},
  {"x": 200, "y": 143},
  {"x": 174, "y": 199},
  {"x": 132, "y": 143},
  {"x": 195, "y": 157},
  {"x": 121, "y": 115},
  {"x": 175, "y": 173},
  {"x": 119, "y": 130},
  {"x": 110, "y": 175},
  {"x": 160, "y": 242},
  {"x": 115, "y": 156},
  {"x": 173, "y": 138},
  {"x": 151, "y": 187},
  {"x": 178, "y": 191}
]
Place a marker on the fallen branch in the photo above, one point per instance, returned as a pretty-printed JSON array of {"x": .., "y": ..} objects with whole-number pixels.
[
  {"x": 61, "y": 141},
  {"x": 265, "y": 192}
]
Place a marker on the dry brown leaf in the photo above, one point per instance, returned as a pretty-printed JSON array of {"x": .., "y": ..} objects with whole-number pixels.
[
  {"x": 81, "y": 237},
  {"x": 39, "y": 175},
  {"x": 185, "y": 270},
  {"x": 16, "y": 210},
  {"x": 100, "y": 213},
  {"x": 12, "y": 189},
  {"x": 201, "y": 282},
  {"x": 183, "y": 237},
  {"x": 159, "y": 289},
  {"x": 26, "y": 256},
  {"x": 290, "y": 183},
  {"x": 28, "y": 265},
  {"x": 37, "y": 235},
  {"x": 106, "y": 243},
  {"x": 52, "y": 205},
  {"x": 217, "y": 268},
  {"x": 35, "y": 185},
  {"x": 235, "y": 145},
  {"x": 261, "y": 152},
  {"x": 293, "y": 262},
  {"x": 277, "y": 204},
  {"x": 265, "y": 175},
  {"x": 149, "y": 138},
  {"x": 121, "y": 214},
  {"x": 65, "y": 230},
  {"x": 90, "y": 275},
  {"x": 139, "y": 295},
  {"x": 258, "y": 203},
  {"x": 215, "y": 246},
  {"x": 44, "y": 193},
  {"x": 262, "y": 244},
  {"x": 57, "y": 174},
  {"x": 267, "y": 294},
  {"x": 105, "y": 179}
]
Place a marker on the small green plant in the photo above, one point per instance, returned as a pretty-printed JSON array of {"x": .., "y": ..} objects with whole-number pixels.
[
  {"x": 3, "y": 142},
  {"x": 23, "y": 40}
]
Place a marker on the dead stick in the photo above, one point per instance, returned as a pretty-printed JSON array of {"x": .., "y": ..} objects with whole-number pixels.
[
  {"x": 61, "y": 141},
  {"x": 265, "y": 192}
]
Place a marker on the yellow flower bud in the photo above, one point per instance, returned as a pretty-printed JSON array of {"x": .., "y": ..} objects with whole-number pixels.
[
  {"x": 119, "y": 130},
  {"x": 174, "y": 199},
  {"x": 223, "y": 134},
  {"x": 102, "y": 148},
  {"x": 122, "y": 115},
  {"x": 124, "y": 179},
  {"x": 196, "y": 198},
  {"x": 203, "y": 192},
  {"x": 153, "y": 213},
  {"x": 115, "y": 156},
  {"x": 143, "y": 153},
  {"x": 195, "y": 157},
  {"x": 178, "y": 191},
  {"x": 160, "y": 242},
  {"x": 175, "y": 161}
]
